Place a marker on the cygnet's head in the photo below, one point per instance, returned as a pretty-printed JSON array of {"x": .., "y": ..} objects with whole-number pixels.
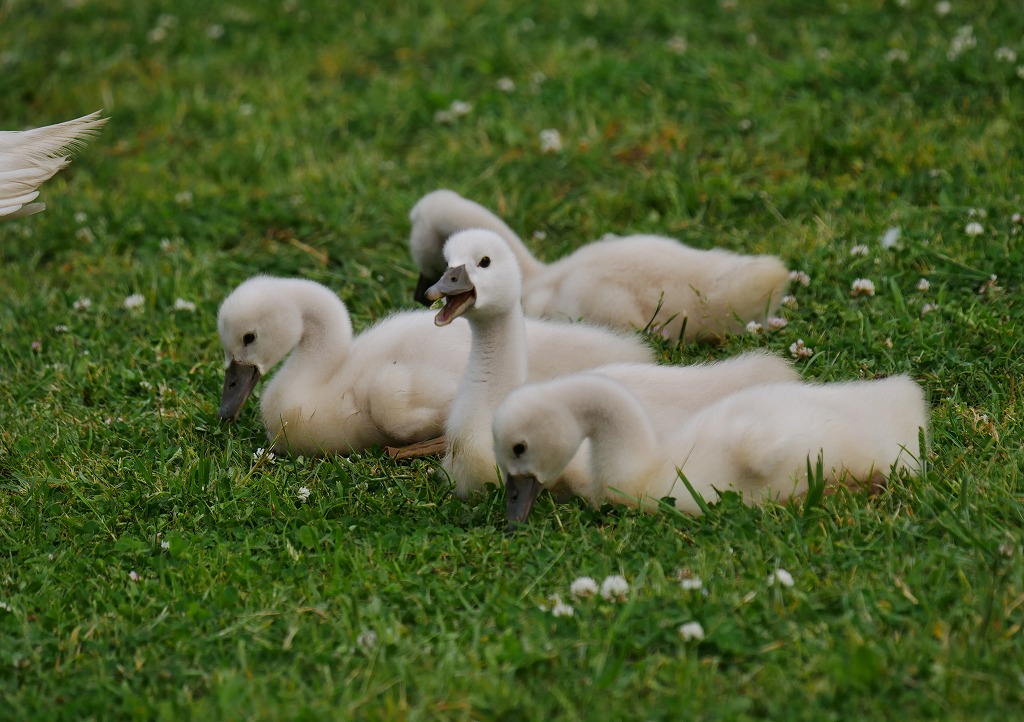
[
  {"x": 482, "y": 278},
  {"x": 257, "y": 329},
  {"x": 535, "y": 438}
]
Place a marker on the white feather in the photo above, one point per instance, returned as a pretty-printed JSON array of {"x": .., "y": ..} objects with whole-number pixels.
[{"x": 29, "y": 158}]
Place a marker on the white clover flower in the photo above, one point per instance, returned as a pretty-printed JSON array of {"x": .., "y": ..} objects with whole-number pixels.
[
  {"x": 583, "y": 587},
  {"x": 183, "y": 198},
  {"x": 974, "y": 229},
  {"x": 897, "y": 55},
  {"x": 539, "y": 235},
  {"x": 367, "y": 639},
  {"x": 134, "y": 301},
  {"x": 614, "y": 587},
  {"x": 1005, "y": 549},
  {"x": 943, "y": 8},
  {"x": 157, "y": 34},
  {"x": 862, "y": 287},
  {"x": 1006, "y": 55},
  {"x": 85, "y": 235},
  {"x": 561, "y": 609},
  {"x": 691, "y": 584},
  {"x": 180, "y": 304},
  {"x": 745, "y": 124},
  {"x": 923, "y": 285},
  {"x": 6, "y": 607},
  {"x": 789, "y": 301},
  {"x": 133, "y": 575},
  {"x": 780, "y": 577},
  {"x": 822, "y": 53},
  {"x": 860, "y": 249},
  {"x": 60, "y": 328},
  {"x": 677, "y": 44},
  {"x": 691, "y": 632},
  {"x": 754, "y": 327},
  {"x": 81, "y": 217},
  {"x": 799, "y": 349},
  {"x": 246, "y": 109},
  {"x": 962, "y": 41},
  {"x": 460, "y": 108},
  {"x": 550, "y": 141},
  {"x": 890, "y": 238},
  {"x": 977, "y": 213},
  {"x": 264, "y": 455},
  {"x": 776, "y": 323},
  {"x": 800, "y": 277},
  {"x": 302, "y": 494},
  {"x": 505, "y": 85},
  {"x": 1017, "y": 218},
  {"x": 165, "y": 545}
]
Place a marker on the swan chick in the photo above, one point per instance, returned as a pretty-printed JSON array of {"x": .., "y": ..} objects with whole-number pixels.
[
  {"x": 29, "y": 158},
  {"x": 756, "y": 441},
  {"x": 628, "y": 282},
  {"x": 391, "y": 385}
]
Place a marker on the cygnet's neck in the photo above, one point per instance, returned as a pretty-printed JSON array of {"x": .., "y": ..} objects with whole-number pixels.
[
  {"x": 623, "y": 443},
  {"x": 326, "y": 326},
  {"x": 497, "y": 355}
]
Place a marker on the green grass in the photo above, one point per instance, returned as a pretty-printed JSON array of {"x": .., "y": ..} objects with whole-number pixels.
[{"x": 293, "y": 138}]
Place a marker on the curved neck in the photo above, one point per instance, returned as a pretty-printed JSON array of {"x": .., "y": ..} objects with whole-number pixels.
[
  {"x": 326, "y": 326},
  {"x": 462, "y": 214},
  {"x": 623, "y": 444}
]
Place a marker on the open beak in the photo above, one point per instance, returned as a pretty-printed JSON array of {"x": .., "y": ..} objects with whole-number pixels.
[
  {"x": 422, "y": 286},
  {"x": 239, "y": 381},
  {"x": 457, "y": 290},
  {"x": 520, "y": 493}
]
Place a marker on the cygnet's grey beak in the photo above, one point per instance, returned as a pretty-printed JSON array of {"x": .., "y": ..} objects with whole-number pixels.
[
  {"x": 455, "y": 286},
  {"x": 521, "y": 491},
  {"x": 422, "y": 285},
  {"x": 239, "y": 381}
]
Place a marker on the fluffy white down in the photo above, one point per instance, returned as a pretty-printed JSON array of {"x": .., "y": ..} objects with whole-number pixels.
[
  {"x": 392, "y": 384},
  {"x": 755, "y": 441},
  {"x": 498, "y": 364},
  {"x": 627, "y": 282},
  {"x": 497, "y": 358},
  {"x": 29, "y": 158}
]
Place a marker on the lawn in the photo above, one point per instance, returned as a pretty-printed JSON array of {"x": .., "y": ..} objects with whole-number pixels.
[{"x": 153, "y": 565}]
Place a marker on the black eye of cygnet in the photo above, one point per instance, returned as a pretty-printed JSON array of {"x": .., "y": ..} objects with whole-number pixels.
[
  {"x": 248, "y": 338},
  {"x": 484, "y": 262},
  {"x": 519, "y": 449}
]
